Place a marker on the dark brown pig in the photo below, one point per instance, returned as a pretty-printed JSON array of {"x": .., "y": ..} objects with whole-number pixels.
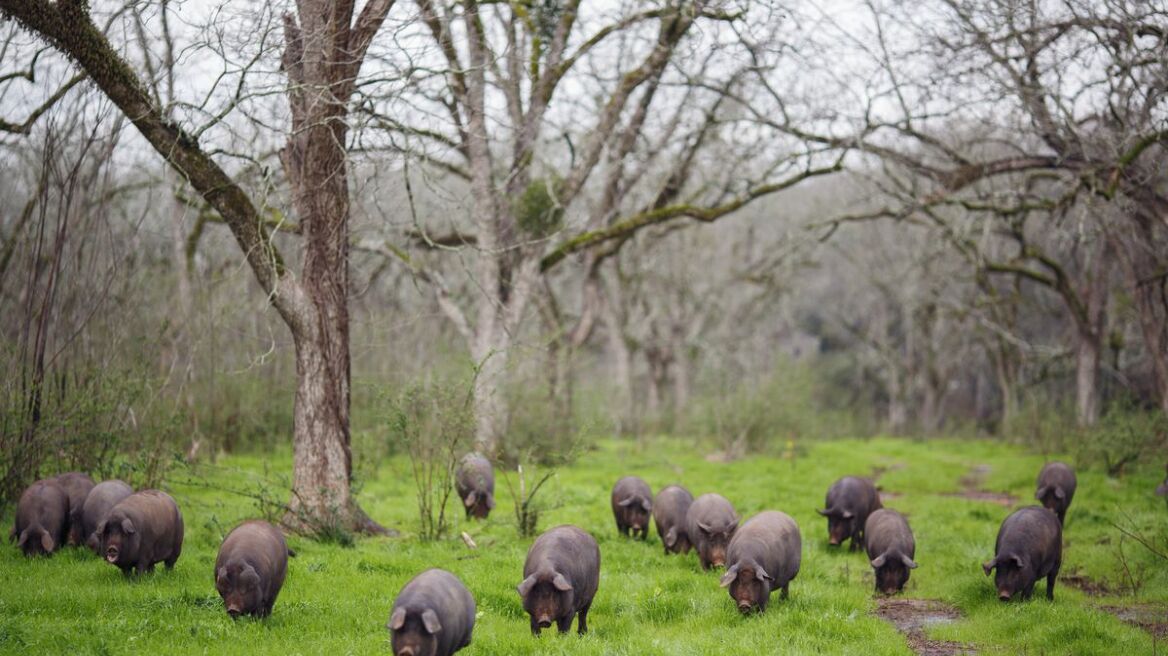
[
  {"x": 433, "y": 615},
  {"x": 41, "y": 518},
  {"x": 250, "y": 569},
  {"x": 144, "y": 529},
  {"x": 632, "y": 501},
  {"x": 669, "y": 509},
  {"x": 77, "y": 486},
  {"x": 763, "y": 555},
  {"x": 891, "y": 548},
  {"x": 561, "y": 575},
  {"x": 1029, "y": 547},
  {"x": 1056, "y": 488},
  {"x": 475, "y": 483},
  {"x": 710, "y": 523},
  {"x": 102, "y": 498},
  {"x": 849, "y": 502}
]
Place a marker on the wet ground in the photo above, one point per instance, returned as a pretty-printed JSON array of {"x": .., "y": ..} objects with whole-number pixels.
[{"x": 913, "y": 616}]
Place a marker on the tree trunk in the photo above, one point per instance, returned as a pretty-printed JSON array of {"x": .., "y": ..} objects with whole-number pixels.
[
  {"x": 1148, "y": 285},
  {"x": 1087, "y": 352},
  {"x": 621, "y": 360},
  {"x": 681, "y": 376}
]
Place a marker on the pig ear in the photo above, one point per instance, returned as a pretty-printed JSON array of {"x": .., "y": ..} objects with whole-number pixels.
[
  {"x": 526, "y": 585},
  {"x": 430, "y": 621},
  {"x": 470, "y": 499},
  {"x": 847, "y": 514},
  {"x": 1058, "y": 493},
  {"x": 397, "y": 620},
  {"x": 761, "y": 575},
  {"x": 626, "y": 502},
  {"x": 826, "y": 512},
  {"x": 1017, "y": 561},
  {"x": 732, "y": 527},
  {"x": 704, "y": 527},
  {"x": 878, "y": 561},
  {"x": 47, "y": 541},
  {"x": 989, "y": 566},
  {"x": 249, "y": 576},
  {"x": 671, "y": 537},
  {"x": 561, "y": 583},
  {"x": 490, "y": 501},
  {"x": 1040, "y": 493},
  {"x": 647, "y": 505},
  {"x": 23, "y": 538},
  {"x": 908, "y": 562},
  {"x": 93, "y": 542},
  {"x": 128, "y": 527},
  {"x": 729, "y": 576},
  {"x": 221, "y": 576}
]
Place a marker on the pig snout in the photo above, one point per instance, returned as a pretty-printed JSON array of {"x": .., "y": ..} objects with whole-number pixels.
[
  {"x": 544, "y": 621},
  {"x": 111, "y": 554},
  {"x": 406, "y": 651},
  {"x": 833, "y": 541},
  {"x": 744, "y": 607},
  {"x": 234, "y": 612},
  {"x": 1003, "y": 595}
]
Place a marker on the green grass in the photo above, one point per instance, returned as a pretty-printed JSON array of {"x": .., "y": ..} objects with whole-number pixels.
[{"x": 336, "y": 600}]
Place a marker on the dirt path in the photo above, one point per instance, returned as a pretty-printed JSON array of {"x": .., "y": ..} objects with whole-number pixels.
[
  {"x": 972, "y": 488},
  {"x": 912, "y": 616}
]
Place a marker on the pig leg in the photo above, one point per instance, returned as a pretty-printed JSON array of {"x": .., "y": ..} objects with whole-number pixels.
[
  {"x": 534, "y": 626},
  {"x": 582, "y": 624},
  {"x": 564, "y": 624},
  {"x": 783, "y": 594},
  {"x": 1050, "y": 579}
]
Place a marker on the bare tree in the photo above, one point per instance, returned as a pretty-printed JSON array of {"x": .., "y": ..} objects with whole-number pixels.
[{"x": 325, "y": 46}]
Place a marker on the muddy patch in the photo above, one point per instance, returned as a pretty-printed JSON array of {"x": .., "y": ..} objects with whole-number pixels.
[
  {"x": 1086, "y": 585},
  {"x": 912, "y": 616},
  {"x": 972, "y": 488},
  {"x": 880, "y": 470},
  {"x": 886, "y": 496},
  {"x": 1149, "y": 617}
]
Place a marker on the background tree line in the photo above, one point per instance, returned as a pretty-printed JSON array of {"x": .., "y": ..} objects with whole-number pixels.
[{"x": 738, "y": 221}]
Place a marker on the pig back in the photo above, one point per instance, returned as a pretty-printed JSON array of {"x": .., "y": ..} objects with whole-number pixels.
[
  {"x": 261, "y": 545},
  {"x": 475, "y": 473},
  {"x": 1035, "y": 532},
  {"x": 670, "y": 508},
  {"x": 772, "y": 539},
  {"x": 442, "y": 592},
  {"x": 710, "y": 509},
  {"x": 77, "y": 486},
  {"x": 571, "y": 551},
  {"x": 100, "y": 500},
  {"x": 157, "y": 517},
  {"x": 888, "y": 530},
  {"x": 45, "y": 504},
  {"x": 1057, "y": 474},
  {"x": 857, "y": 495}
]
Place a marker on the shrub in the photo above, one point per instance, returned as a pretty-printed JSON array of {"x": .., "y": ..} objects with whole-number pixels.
[{"x": 434, "y": 424}]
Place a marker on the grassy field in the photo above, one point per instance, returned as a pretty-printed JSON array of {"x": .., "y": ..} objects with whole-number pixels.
[{"x": 337, "y": 599}]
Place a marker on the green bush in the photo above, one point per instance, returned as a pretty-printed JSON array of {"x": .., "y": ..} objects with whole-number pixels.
[
  {"x": 1125, "y": 435},
  {"x": 537, "y": 209}
]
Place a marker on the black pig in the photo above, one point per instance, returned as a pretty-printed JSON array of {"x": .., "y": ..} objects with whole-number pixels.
[
  {"x": 1029, "y": 547},
  {"x": 250, "y": 568},
  {"x": 1056, "y": 488},
  {"x": 475, "y": 483},
  {"x": 710, "y": 523},
  {"x": 41, "y": 518},
  {"x": 144, "y": 529},
  {"x": 764, "y": 554},
  {"x": 77, "y": 486},
  {"x": 561, "y": 575},
  {"x": 891, "y": 548},
  {"x": 102, "y": 498},
  {"x": 632, "y": 501},
  {"x": 849, "y": 502},
  {"x": 669, "y": 509},
  {"x": 433, "y": 615}
]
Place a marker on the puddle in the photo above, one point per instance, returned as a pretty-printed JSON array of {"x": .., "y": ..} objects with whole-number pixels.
[
  {"x": 1150, "y": 618},
  {"x": 912, "y": 616}
]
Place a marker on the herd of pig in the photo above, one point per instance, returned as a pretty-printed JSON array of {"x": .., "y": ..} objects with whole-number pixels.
[{"x": 434, "y": 613}]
